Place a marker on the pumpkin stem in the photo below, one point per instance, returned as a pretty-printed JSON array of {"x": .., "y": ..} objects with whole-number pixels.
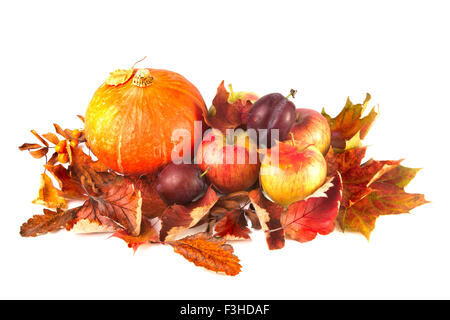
[{"x": 142, "y": 78}]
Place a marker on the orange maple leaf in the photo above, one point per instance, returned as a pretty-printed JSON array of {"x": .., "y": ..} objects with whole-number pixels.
[{"x": 349, "y": 122}]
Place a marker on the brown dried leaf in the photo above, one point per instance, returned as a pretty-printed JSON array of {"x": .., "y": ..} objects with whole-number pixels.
[
  {"x": 152, "y": 205},
  {"x": 29, "y": 146},
  {"x": 37, "y": 154},
  {"x": 119, "y": 203},
  {"x": 177, "y": 218},
  {"x": 70, "y": 188},
  {"x": 61, "y": 132},
  {"x": 51, "y": 137},
  {"x": 39, "y": 138},
  {"x": 48, "y": 222},
  {"x": 53, "y": 159},
  {"x": 91, "y": 175}
]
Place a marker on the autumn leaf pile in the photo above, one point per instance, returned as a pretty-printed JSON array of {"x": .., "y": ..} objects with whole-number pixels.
[{"x": 88, "y": 197}]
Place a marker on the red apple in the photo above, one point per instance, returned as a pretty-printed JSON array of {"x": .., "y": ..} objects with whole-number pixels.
[
  {"x": 291, "y": 172},
  {"x": 233, "y": 165},
  {"x": 311, "y": 127}
]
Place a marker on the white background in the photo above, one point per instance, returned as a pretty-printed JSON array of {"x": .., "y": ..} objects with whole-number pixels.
[{"x": 55, "y": 54}]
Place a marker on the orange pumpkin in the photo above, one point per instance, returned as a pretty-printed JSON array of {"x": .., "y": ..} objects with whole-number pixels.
[{"x": 131, "y": 118}]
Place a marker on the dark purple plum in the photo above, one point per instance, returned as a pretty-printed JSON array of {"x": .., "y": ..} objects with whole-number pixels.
[
  {"x": 272, "y": 111},
  {"x": 180, "y": 183}
]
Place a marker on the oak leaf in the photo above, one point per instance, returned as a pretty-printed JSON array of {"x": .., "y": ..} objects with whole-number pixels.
[
  {"x": 177, "y": 218},
  {"x": 48, "y": 222},
  {"x": 207, "y": 252}
]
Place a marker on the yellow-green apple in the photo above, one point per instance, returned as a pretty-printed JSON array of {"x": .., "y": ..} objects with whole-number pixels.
[
  {"x": 311, "y": 127},
  {"x": 230, "y": 161},
  {"x": 291, "y": 172}
]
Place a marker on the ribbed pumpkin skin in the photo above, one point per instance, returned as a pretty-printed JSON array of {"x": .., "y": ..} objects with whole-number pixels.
[{"x": 129, "y": 128}]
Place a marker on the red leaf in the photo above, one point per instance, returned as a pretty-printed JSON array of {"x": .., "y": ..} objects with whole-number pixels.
[
  {"x": 177, "y": 218},
  {"x": 304, "y": 219},
  {"x": 225, "y": 114},
  {"x": 269, "y": 214},
  {"x": 233, "y": 226}
]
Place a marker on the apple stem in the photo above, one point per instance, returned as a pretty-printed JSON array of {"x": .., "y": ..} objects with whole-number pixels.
[
  {"x": 292, "y": 94},
  {"x": 292, "y": 138},
  {"x": 204, "y": 172}
]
